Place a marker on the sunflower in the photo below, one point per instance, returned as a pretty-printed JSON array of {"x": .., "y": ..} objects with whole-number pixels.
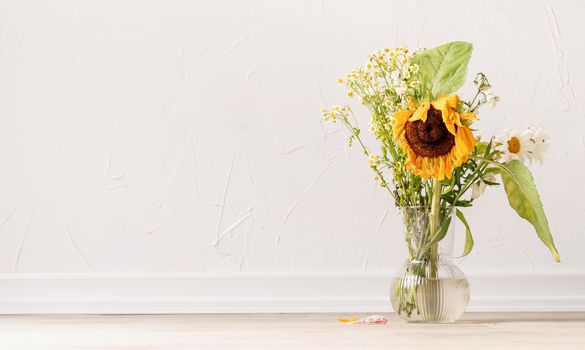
[{"x": 434, "y": 137}]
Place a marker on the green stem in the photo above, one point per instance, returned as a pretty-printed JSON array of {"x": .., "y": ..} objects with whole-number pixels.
[
  {"x": 474, "y": 177},
  {"x": 353, "y": 129},
  {"x": 434, "y": 226}
]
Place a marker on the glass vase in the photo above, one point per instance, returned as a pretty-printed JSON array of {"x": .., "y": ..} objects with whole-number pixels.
[{"x": 429, "y": 287}]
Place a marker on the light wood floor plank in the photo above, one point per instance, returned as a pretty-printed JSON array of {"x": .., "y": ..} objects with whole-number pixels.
[{"x": 290, "y": 331}]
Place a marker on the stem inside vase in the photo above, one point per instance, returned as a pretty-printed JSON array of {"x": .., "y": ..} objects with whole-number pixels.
[{"x": 434, "y": 226}]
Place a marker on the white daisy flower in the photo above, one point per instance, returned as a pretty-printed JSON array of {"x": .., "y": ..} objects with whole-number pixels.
[
  {"x": 540, "y": 144},
  {"x": 514, "y": 145},
  {"x": 526, "y": 146}
]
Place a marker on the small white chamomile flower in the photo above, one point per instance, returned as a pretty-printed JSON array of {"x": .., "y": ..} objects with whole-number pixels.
[
  {"x": 478, "y": 188},
  {"x": 492, "y": 99},
  {"x": 373, "y": 160},
  {"x": 401, "y": 89},
  {"x": 372, "y": 127}
]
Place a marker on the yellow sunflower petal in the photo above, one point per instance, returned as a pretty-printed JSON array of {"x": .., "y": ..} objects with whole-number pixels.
[
  {"x": 456, "y": 117},
  {"x": 439, "y": 104},
  {"x": 452, "y": 100},
  {"x": 442, "y": 172},
  {"x": 446, "y": 105},
  {"x": 450, "y": 120},
  {"x": 464, "y": 143},
  {"x": 400, "y": 119},
  {"x": 411, "y": 103},
  {"x": 421, "y": 112},
  {"x": 446, "y": 102},
  {"x": 469, "y": 116},
  {"x": 449, "y": 168}
]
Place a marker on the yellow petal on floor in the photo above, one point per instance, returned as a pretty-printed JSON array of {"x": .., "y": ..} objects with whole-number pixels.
[{"x": 348, "y": 320}]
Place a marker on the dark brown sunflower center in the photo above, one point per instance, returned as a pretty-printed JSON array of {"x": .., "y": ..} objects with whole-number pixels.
[{"x": 431, "y": 138}]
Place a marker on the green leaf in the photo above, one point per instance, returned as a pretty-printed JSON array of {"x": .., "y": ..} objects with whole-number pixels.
[
  {"x": 481, "y": 147},
  {"x": 441, "y": 232},
  {"x": 444, "y": 68},
  {"x": 524, "y": 198},
  {"x": 468, "y": 237}
]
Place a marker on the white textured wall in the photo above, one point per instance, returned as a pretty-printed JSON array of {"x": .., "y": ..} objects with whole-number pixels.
[{"x": 141, "y": 137}]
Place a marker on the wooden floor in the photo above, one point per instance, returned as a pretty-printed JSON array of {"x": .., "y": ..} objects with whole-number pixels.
[{"x": 559, "y": 331}]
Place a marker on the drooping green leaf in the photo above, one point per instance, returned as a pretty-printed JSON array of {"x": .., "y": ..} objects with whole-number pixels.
[
  {"x": 443, "y": 69},
  {"x": 468, "y": 237},
  {"x": 523, "y": 197}
]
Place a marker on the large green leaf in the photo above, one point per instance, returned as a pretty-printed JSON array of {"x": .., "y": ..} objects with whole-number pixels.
[
  {"x": 524, "y": 198},
  {"x": 468, "y": 237},
  {"x": 444, "y": 68}
]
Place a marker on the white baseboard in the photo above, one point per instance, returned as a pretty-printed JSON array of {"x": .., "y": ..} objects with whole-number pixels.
[{"x": 266, "y": 293}]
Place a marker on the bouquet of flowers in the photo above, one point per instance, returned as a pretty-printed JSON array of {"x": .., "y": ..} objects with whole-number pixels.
[{"x": 430, "y": 154}]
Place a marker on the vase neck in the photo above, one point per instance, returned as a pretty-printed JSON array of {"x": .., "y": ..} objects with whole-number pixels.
[{"x": 418, "y": 234}]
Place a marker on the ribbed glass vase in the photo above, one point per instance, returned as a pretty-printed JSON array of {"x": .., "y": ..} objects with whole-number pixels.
[{"x": 429, "y": 287}]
